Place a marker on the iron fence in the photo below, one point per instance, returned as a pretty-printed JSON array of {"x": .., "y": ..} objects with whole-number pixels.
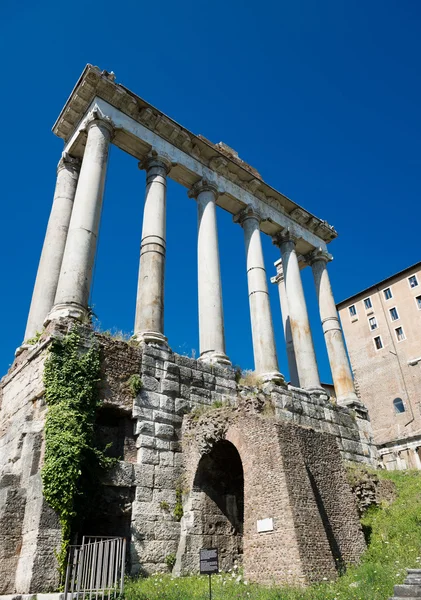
[{"x": 95, "y": 569}]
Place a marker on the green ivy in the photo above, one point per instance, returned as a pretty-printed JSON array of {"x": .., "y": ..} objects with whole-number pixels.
[
  {"x": 178, "y": 508},
  {"x": 71, "y": 377}
]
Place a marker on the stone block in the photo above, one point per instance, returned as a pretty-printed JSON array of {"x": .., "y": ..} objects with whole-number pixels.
[
  {"x": 167, "y": 531},
  {"x": 140, "y": 412},
  {"x": 145, "y": 441},
  {"x": 145, "y": 511},
  {"x": 167, "y": 403},
  {"x": 171, "y": 387},
  {"x": 143, "y": 494},
  {"x": 163, "y": 355},
  {"x": 181, "y": 406},
  {"x": 164, "y": 430},
  {"x": 143, "y": 530},
  {"x": 225, "y": 372},
  {"x": 199, "y": 391},
  {"x": 163, "y": 417},
  {"x": 148, "y": 456},
  {"x": 209, "y": 381},
  {"x": 185, "y": 374},
  {"x": 149, "y": 399},
  {"x": 165, "y": 495},
  {"x": 176, "y": 446},
  {"x": 185, "y": 391},
  {"x": 143, "y": 474},
  {"x": 172, "y": 371},
  {"x": 150, "y": 384},
  {"x": 166, "y": 477},
  {"x": 204, "y": 366},
  {"x": 197, "y": 378},
  {"x": 227, "y": 384},
  {"x": 166, "y": 459},
  {"x": 144, "y": 427},
  {"x": 185, "y": 361},
  {"x": 162, "y": 444}
]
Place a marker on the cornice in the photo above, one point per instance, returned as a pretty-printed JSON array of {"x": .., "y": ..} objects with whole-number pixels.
[{"x": 218, "y": 157}]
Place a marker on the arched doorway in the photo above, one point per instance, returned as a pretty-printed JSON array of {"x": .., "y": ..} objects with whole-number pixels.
[{"x": 217, "y": 506}]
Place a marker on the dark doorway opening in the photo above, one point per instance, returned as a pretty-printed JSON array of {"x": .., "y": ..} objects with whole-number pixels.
[{"x": 219, "y": 492}]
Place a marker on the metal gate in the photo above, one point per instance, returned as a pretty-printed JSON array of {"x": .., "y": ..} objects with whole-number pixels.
[{"x": 95, "y": 568}]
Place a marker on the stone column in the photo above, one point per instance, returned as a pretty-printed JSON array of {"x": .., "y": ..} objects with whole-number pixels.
[
  {"x": 79, "y": 255},
  {"x": 149, "y": 320},
  {"x": 300, "y": 327},
  {"x": 54, "y": 243},
  {"x": 265, "y": 359},
  {"x": 338, "y": 359},
  {"x": 211, "y": 318},
  {"x": 279, "y": 279}
]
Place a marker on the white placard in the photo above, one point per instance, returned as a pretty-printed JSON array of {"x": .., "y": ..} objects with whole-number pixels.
[{"x": 264, "y": 525}]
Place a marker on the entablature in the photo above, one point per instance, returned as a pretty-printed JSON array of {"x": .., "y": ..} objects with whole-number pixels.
[{"x": 141, "y": 129}]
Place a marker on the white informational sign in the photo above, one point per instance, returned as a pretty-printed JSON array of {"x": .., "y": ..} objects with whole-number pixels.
[{"x": 264, "y": 525}]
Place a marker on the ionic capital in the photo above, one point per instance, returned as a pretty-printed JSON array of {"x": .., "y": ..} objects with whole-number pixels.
[
  {"x": 284, "y": 236},
  {"x": 249, "y": 212},
  {"x": 69, "y": 162},
  {"x": 203, "y": 185},
  {"x": 156, "y": 160},
  {"x": 318, "y": 254},
  {"x": 98, "y": 118},
  {"x": 279, "y": 277}
]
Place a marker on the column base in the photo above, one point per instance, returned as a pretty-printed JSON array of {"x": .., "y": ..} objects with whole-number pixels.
[
  {"x": 66, "y": 311},
  {"x": 212, "y": 357},
  {"x": 273, "y": 377},
  {"x": 153, "y": 338}
]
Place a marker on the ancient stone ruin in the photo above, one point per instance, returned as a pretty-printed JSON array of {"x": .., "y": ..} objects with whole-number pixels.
[{"x": 203, "y": 461}]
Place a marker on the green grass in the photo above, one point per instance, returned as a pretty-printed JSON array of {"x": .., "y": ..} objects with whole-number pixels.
[{"x": 395, "y": 545}]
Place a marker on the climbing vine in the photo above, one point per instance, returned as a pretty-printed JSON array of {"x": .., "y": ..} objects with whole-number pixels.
[{"x": 72, "y": 460}]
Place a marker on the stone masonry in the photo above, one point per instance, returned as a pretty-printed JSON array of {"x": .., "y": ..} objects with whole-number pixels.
[{"x": 139, "y": 495}]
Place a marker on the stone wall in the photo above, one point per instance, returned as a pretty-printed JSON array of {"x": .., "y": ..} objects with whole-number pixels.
[{"x": 139, "y": 495}]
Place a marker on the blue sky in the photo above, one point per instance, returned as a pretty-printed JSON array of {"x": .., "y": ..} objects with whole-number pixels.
[{"x": 322, "y": 97}]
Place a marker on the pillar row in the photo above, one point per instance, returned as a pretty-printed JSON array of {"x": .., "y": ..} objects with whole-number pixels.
[
  {"x": 265, "y": 359},
  {"x": 279, "y": 279},
  {"x": 308, "y": 373},
  {"x": 211, "y": 318},
  {"x": 74, "y": 283},
  {"x": 338, "y": 359},
  {"x": 54, "y": 244},
  {"x": 149, "y": 319}
]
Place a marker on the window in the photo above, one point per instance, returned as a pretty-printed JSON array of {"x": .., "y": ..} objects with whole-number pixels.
[
  {"x": 387, "y": 293},
  {"x": 418, "y": 301},
  {"x": 367, "y": 303},
  {"x": 353, "y": 311},
  {"x": 400, "y": 334},
  {"x": 394, "y": 314},
  {"x": 378, "y": 342},
  {"x": 398, "y": 405},
  {"x": 413, "y": 281},
  {"x": 373, "y": 323}
]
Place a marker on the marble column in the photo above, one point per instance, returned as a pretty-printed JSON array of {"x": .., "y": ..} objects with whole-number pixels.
[
  {"x": 265, "y": 359},
  {"x": 300, "y": 327},
  {"x": 74, "y": 283},
  {"x": 149, "y": 320},
  {"x": 279, "y": 279},
  {"x": 338, "y": 359},
  {"x": 54, "y": 243},
  {"x": 211, "y": 317}
]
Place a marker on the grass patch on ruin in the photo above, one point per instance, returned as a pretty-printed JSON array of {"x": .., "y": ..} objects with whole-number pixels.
[{"x": 395, "y": 544}]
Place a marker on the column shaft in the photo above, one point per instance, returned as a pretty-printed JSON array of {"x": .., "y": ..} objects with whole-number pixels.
[
  {"x": 300, "y": 327},
  {"x": 149, "y": 320},
  {"x": 265, "y": 359},
  {"x": 54, "y": 243},
  {"x": 79, "y": 256},
  {"x": 338, "y": 359},
  {"x": 211, "y": 318},
  {"x": 292, "y": 362}
]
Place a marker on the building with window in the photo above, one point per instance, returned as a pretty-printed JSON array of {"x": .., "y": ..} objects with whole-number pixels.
[{"x": 382, "y": 328}]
